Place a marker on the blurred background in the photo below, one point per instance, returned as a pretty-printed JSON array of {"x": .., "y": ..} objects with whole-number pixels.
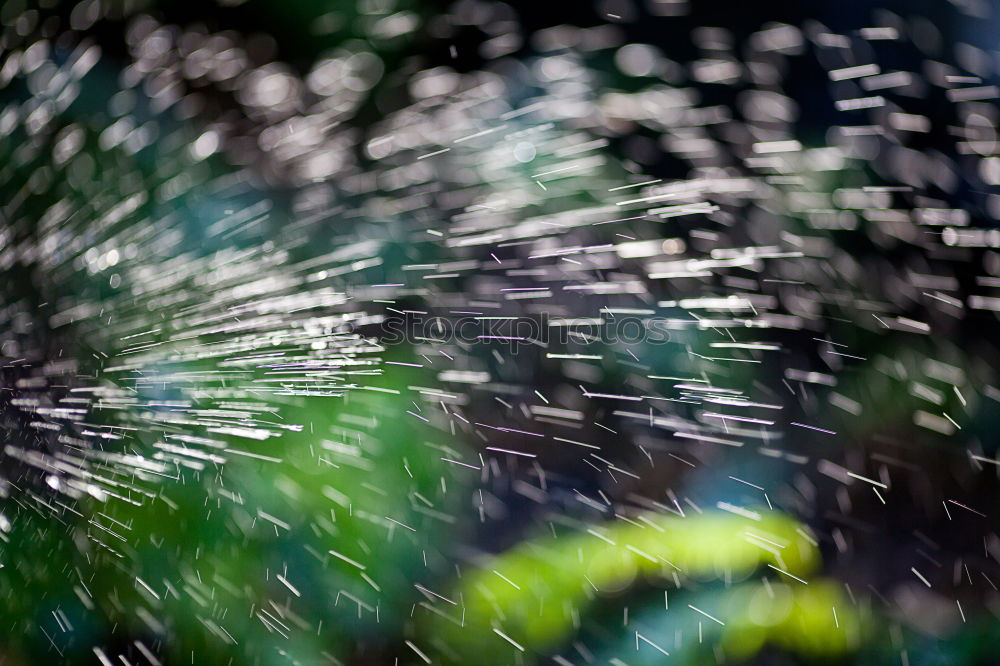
[{"x": 400, "y": 332}]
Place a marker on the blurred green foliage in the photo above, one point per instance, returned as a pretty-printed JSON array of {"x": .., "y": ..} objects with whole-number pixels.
[
  {"x": 226, "y": 565},
  {"x": 535, "y": 594}
]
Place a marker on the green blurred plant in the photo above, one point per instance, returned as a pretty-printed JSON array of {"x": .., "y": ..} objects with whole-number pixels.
[{"x": 531, "y": 598}]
